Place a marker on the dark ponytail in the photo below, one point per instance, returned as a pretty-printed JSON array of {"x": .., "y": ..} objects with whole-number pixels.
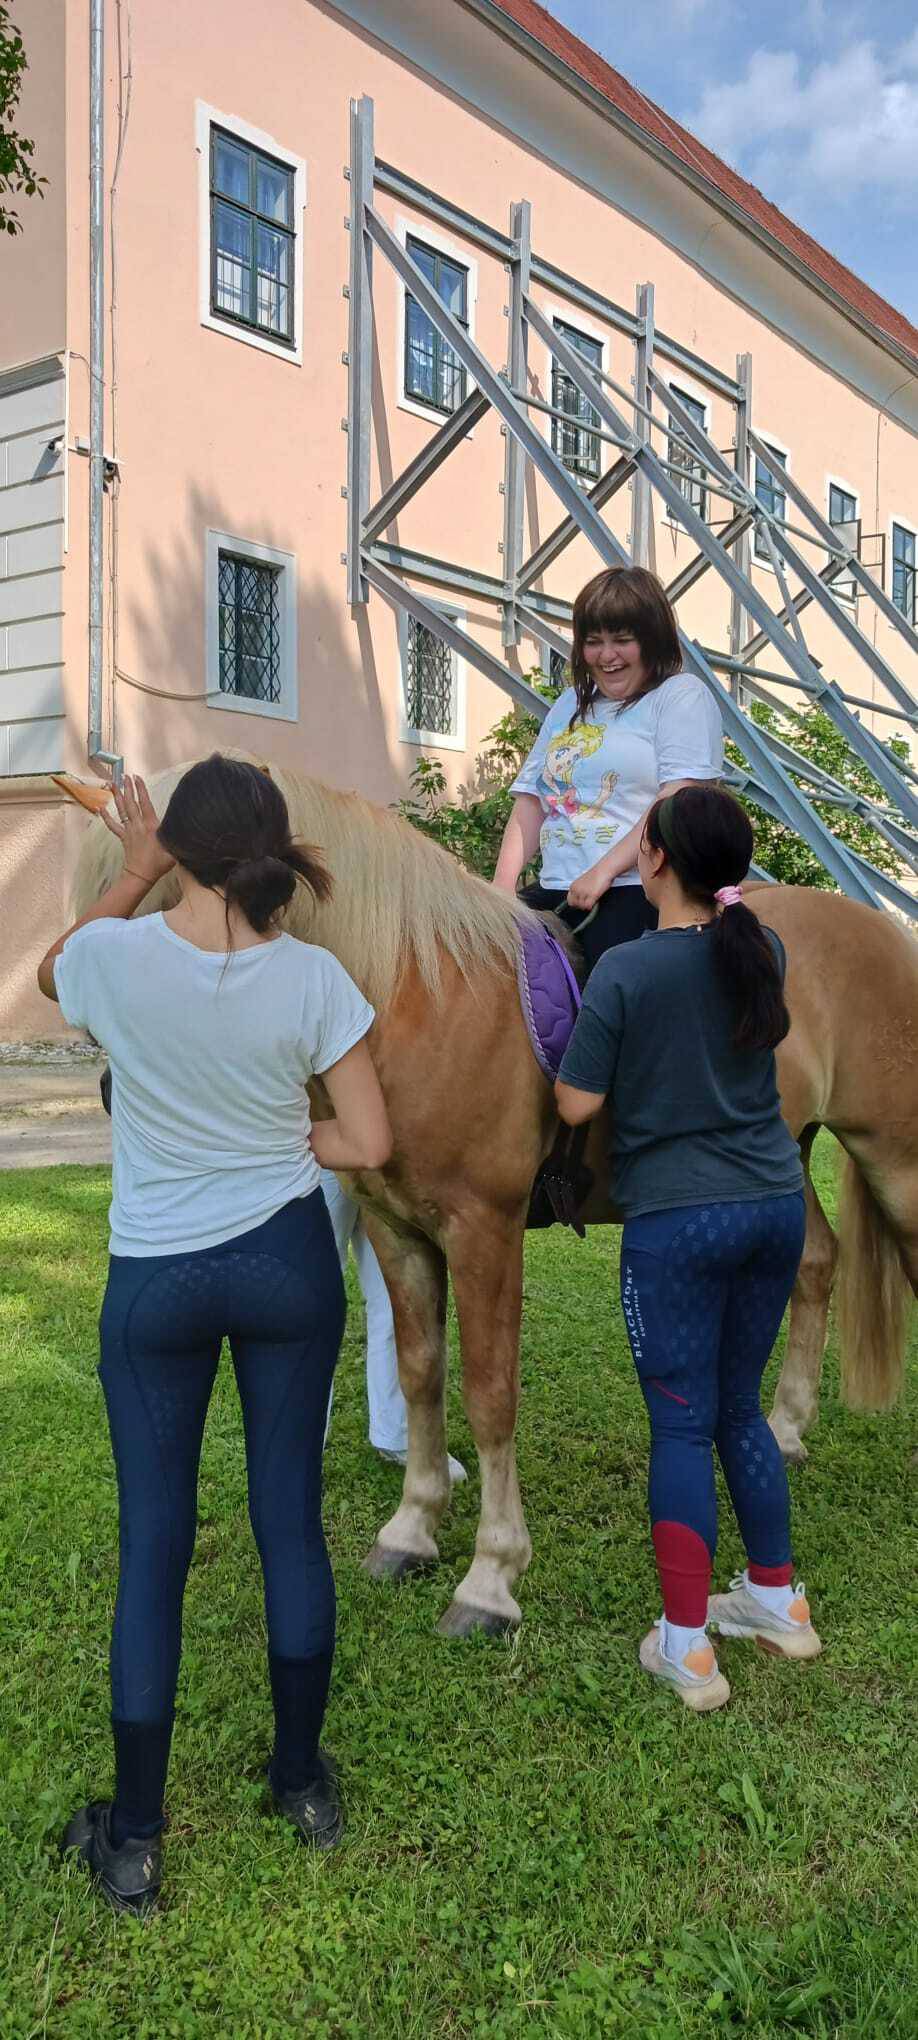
[
  {"x": 706, "y": 838},
  {"x": 227, "y": 824}
]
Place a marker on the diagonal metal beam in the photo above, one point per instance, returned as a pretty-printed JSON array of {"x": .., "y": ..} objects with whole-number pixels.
[
  {"x": 877, "y": 881},
  {"x": 443, "y": 627},
  {"x": 412, "y": 478},
  {"x": 801, "y": 600},
  {"x": 699, "y": 565},
  {"x": 794, "y": 558},
  {"x": 830, "y": 537},
  {"x": 550, "y": 548},
  {"x": 540, "y": 452}
]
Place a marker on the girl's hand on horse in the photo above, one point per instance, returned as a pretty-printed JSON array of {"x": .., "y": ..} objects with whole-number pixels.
[
  {"x": 590, "y": 886},
  {"x": 136, "y": 827}
]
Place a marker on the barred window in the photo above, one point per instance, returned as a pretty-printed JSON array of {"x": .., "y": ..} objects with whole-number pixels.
[
  {"x": 903, "y": 571},
  {"x": 575, "y": 443},
  {"x": 843, "y": 516},
  {"x": 770, "y": 494},
  {"x": 251, "y": 237},
  {"x": 249, "y": 629},
  {"x": 689, "y": 479},
  {"x": 559, "y": 670},
  {"x": 434, "y": 374},
  {"x": 430, "y": 682}
]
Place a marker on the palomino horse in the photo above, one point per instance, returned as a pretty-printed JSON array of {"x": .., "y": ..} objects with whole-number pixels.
[{"x": 435, "y": 949}]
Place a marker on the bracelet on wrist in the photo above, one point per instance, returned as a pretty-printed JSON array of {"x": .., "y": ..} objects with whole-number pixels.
[{"x": 128, "y": 870}]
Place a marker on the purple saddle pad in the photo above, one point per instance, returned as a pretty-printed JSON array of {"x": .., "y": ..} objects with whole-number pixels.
[{"x": 549, "y": 996}]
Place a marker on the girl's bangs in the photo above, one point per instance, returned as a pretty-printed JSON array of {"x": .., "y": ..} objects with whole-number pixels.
[{"x": 617, "y": 609}]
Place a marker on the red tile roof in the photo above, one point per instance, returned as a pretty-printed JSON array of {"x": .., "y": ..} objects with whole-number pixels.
[{"x": 587, "y": 65}]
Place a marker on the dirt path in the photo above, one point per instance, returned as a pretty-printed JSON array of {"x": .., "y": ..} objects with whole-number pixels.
[{"x": 50, "y": 1111}]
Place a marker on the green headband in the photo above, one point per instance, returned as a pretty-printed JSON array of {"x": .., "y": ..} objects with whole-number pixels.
[{"x": 663, "y": 814}]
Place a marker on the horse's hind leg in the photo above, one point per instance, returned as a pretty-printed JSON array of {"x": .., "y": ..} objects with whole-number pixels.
[
  {"x": 486, "y": 1266},
  {"x": 797, "y": 1395},
  {"x": 415, "y": 1273}
]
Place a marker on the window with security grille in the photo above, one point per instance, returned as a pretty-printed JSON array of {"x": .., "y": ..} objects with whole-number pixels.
[
  {"x": 769, "y": 493},
  {"x": 251, "y": 237},
  {"x": 903, "y": 571},
  {"x": 575, "y": 443},
  {"x": 689, "y": 475},
  {"x": 249, "y": 629},
  {"x": 845, "y": 520},
  {"x": 559, "y": 671},
  {"x": 430, "y": 682},
  {"x": 434, "y": 374}
]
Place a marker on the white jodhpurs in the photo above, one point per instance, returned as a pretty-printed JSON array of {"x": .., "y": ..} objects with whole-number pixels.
[{"x": 388, "y": 1417}]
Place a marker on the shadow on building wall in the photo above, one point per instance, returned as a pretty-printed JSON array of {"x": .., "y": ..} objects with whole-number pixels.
[{"x": 340, "y": 733}]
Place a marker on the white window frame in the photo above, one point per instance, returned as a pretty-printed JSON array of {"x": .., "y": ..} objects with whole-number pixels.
[
  {"x": 904, "y": 524},
  {"x": 421, "y": 231},
  {"x": 432, "y": 740},
  {"x": 771, "y": 439},
  {"x": 287, "y": 708},
  {"x": 205, "y": 118},
  {"x": 844, "y": 594},
  {"x": 686, "y": 388},
  {"x": 571, "y": 315}
]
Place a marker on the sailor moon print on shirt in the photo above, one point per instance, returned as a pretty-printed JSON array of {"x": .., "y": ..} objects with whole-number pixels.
[{"x": 576, "y": 794}]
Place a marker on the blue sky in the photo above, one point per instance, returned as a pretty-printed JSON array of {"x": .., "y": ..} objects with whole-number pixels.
[{"x": 815, "y": 101}]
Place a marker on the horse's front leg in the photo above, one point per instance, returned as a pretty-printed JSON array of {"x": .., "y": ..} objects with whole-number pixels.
[
  {"x": 485, "y": 1255},
  {"x": 797, "y": 1395},
  {"x": 415, "y": 1275}
]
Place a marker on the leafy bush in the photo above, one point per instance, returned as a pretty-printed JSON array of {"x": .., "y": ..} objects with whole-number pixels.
[{"x": 778, "y": 849}]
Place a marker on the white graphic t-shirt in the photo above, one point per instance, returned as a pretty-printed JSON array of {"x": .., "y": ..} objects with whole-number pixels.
[{"x": 596, "y": 780}]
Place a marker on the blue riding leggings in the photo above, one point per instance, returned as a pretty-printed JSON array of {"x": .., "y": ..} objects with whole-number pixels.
[
  {"x": 276, "y": 1294},
  {"x": 704, "y": 1290}
]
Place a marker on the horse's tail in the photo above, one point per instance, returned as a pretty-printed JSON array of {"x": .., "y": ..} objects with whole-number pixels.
[{"x": 873, "y": 1296}]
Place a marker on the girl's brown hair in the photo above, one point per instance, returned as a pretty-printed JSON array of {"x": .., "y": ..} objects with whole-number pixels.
[
  {"x": 707, "y": 840},
  {"x": 624, "y": 599},
  {"x": 227, "y": 823}
]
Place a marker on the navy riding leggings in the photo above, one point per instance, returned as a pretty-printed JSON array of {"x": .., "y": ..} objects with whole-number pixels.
[
  {"x": 276, "y": 1294},
  {"x": 704, "y": 1290}
]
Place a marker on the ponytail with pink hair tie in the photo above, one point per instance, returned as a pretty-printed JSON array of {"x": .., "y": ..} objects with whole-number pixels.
[{"x": 729, "y": 896}]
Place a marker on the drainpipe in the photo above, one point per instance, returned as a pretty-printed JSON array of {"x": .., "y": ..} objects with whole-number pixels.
[{"x": 97, "y": 755}]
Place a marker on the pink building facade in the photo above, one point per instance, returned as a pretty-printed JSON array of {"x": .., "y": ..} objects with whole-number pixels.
[{"x": 227, "y": 254}]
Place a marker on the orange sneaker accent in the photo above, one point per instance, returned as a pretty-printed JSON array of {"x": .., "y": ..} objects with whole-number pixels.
[
  {"x": 799, "y": 1611},
  {"x": 700, "y": 1662}
]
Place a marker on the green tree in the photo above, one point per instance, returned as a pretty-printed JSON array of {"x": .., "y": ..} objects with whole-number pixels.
[
  {"x": 472, "y": 829},
  {"x": 778, "y": 849},
  {"x": 17, "y": 170}
]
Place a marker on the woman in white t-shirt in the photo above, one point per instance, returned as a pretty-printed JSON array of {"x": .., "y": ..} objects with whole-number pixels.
[
  {"x": 632, "y": 727},
  {"x": 214, "y": 1021}
]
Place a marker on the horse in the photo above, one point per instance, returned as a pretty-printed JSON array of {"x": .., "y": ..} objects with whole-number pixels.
[{"x": 434, "y": 948}]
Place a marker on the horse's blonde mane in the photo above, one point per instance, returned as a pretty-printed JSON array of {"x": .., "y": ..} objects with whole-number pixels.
[{"x": 397, "y": 896}]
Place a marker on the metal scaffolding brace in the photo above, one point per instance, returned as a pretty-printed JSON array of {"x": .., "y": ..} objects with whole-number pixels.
[{"x": 774, "y": 766}]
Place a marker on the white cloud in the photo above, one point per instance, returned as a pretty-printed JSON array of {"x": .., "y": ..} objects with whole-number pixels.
[{"x": 846, "y": 127}]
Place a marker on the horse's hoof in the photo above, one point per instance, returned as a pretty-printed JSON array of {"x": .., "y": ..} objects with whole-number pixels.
[
  {"x": 788, "y": 1440},
  {"x": 383, "y": 1563},
  {"x": 462, "y": 1620}
]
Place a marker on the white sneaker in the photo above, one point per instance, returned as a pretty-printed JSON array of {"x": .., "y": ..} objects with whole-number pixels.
[
  {"x": 695, "y": 1675},
  {"x": 457, "y": 1472},
  {"x": 741, "y": 1613}
]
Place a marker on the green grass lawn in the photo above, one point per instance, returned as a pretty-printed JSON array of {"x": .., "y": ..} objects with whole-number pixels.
[{"x": 539, "y": 1841}]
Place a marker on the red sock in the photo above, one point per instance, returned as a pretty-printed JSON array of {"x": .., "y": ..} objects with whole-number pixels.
[
  {"x": 684, "y": 1566},
  {"x": 771, "y": 1575}
]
